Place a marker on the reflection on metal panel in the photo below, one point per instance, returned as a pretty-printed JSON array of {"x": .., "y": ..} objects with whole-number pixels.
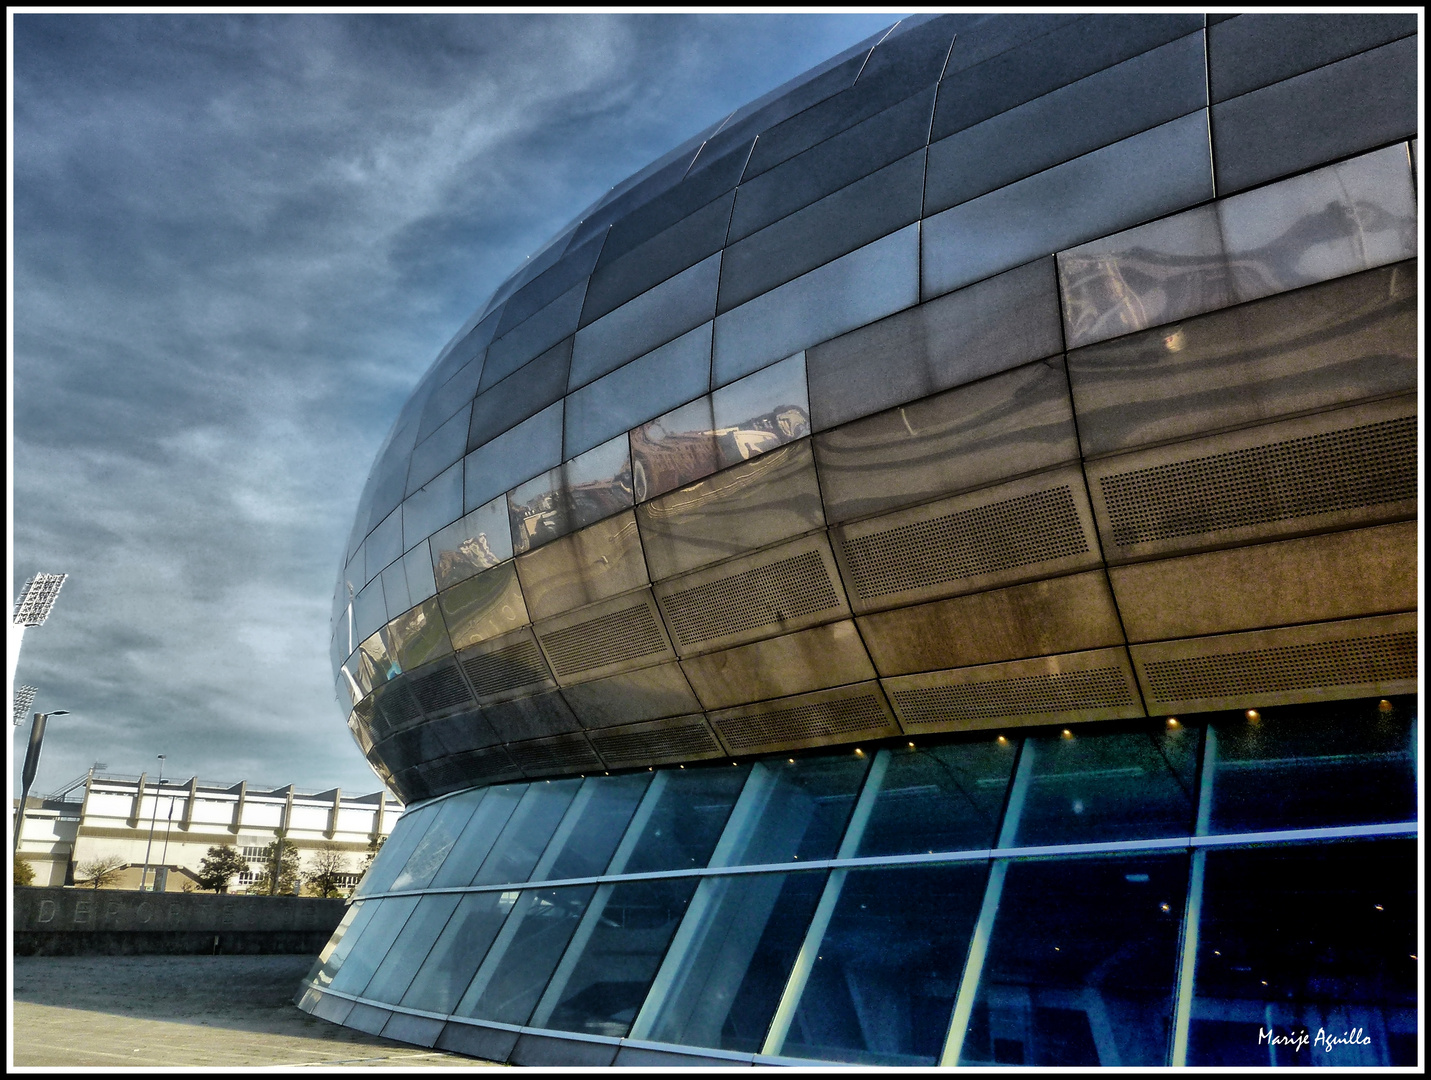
[{"x": 807, "y": 720}]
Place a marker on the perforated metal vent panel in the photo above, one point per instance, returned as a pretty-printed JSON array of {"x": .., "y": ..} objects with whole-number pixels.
[
  {"x": 1033, "y": 528},
  {"x": 468, "y": 769},
  {"x": 1382, "y": 658},
  {"x": 1337, "y": 470},
  {"x": 554, "y": 755},
  {"x": 625, "y": 634},
  {"x": 1026, "y": 695},
  {"x": 520, "y": 664},
  {"x": 441, "y": 689},
  {"x": 398, "y": 705},
  {"x": 647, "y": 744},
  {"x": 816, "y": 721},
  {"x": 765, "y": 596}
]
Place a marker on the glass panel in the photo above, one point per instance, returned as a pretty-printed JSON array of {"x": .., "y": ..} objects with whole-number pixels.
[
  {"x": 484, "y": 606},
  {"x": 603, "y": 979},
  {"x": 538, "y": 512},
  {"x": 480, "y": 540},
  {"x": 465, "y": 939},
  {"x": 521, "y": 960},
  {"x": 722, "y": 979},
  {"x": 793, "y": 809},
  {"x": 1146, "y": 176},
  {"x": 594, "y": 825},
  {"x": 653, "y": 318},
  {"x": 868, "y": 284},
  {"x": 409, "y": 949},
  {"x": 439, "y": 450},
  {"x": 514, "y": 456},
  {"x": 882, "y": 986},
  {"x": 761, "y": 411},
  {"x": 476, "y": 840},
  {"x": 453, "y": 814},
  {"x": 939, "y": 798},
  {"x": 1311, "y": 766},
  {"x": 597, "y": 484},
  {"x": 526, "y": 834},
  {"x": 1081, "y": 964},
  {"x": 429, "y": 508},
  {"x": 1133, "y": 785},
  {"x": 1305, "y": 945},
  {"x": 396, "y": 849},
  {"x": 377, "y": 938},
  {"x": 1109, "y": 105},
  {"x": 835, "y": 225},
  {"x": 355, "y": 920},
  {"x": 417, "y": 566},
  {"x": 685, "y": 811},
  {"x": 520, "y": 395},
  {"x": 419, "y": 636},
  {"x": 634, "y": 392},
  {"x": 673, "y": 450}
]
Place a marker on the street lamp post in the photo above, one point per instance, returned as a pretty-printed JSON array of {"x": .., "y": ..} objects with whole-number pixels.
[
  {"x": 153, "y": 820},
  {"x": 32, "y": 763},
  {"x": 164, "y": 855}
]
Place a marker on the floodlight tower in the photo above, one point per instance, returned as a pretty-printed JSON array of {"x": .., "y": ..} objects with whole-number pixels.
[
  {"x": 24, "y": 698},
  {"x": 32, "y": 609}
]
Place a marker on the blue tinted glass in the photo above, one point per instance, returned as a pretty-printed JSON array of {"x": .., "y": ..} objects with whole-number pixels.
[
  {"x": 793, "y": 809},
  {"x": 939, "y": 798},
  {"x": 1297, "y": 942},
  {"x": 409, "y": 949},
  {"x": 368, "y": 951},
  {"x": 1081, "y": 964},
  {"x": 427, "y": 857},
  {"x": 527, "y": 832},
  {"x": 1307, "y": 766},
  {"x": 884, "y": 977},
  {"x": 477, "y": 838},
  {"x": 450, "y": 965},
  {"x": 588, "y": 835},
  {"x": 1132, "y": 785},
  {"x": 681, "y": 818},
  {"x": 355, "y": 921},
  {"x": 395, "y": 850}
]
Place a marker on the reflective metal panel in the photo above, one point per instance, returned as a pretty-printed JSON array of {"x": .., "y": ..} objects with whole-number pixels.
[
  {"x": 645, "y": 387},
  {"x": 1156, "y": 172},
  {"x": 530, "y": 717},
  {"x": 384, "y": 544},
  {"x": 432, "y": 506},
  {"x": 478, "y": 542},
  {"x": 369, "y": 610},
  {"x": 394, "y": 584},
  {"x": 829, "y": 655},
  {"x": 868, "y": 284},
  {"x": 1252, "y": 51},
  {"x": 588, "y": 565},
  {"x": 597, "y": 484},
  {"x": 520, "y": 395},
  {"x": 534, "y": 336},
  {"x": 538, "y": 511},
  {"x": 653, "y": 318},
  {"x": 417, "y": 567},
  {"x": 512, "y": 457},
  {"x": 483, "y": 606},
  {"x": 439, "y": 450},
  {"x": 1017, "y": 422},
  {"x": 673, "y": 450},
  {"x": 748, "y": 506},
  {"x": 648, "y": 694},
  {"x": 761, "y": 411},
  {"x": 419, "y": 635},
  {"x": 987, "y": 328}
]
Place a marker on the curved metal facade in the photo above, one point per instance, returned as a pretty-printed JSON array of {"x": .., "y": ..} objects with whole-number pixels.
[{"x": 1002, "y": 370}]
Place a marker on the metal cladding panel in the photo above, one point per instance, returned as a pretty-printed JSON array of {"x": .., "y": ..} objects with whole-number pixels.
[
  {"x": 777, "y": 590},
  {"x": 1095, "y": 685},
  {"x": 1317, "y": 662},
  {"x": 984, "y": 349},
  {"x": 1036, "y": 527},
  {"x": 1336, "y": 469}
]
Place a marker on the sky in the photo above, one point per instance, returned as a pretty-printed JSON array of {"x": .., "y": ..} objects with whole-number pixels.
[{"x": 237, "y": 242}]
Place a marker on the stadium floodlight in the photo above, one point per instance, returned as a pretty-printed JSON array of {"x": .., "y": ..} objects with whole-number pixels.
[
  {"x": 37, "y": 598},
  {"x": 24, "y": 698}
]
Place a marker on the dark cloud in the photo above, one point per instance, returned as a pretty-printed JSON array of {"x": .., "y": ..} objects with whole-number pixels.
[{"x": 238, "y": 242}]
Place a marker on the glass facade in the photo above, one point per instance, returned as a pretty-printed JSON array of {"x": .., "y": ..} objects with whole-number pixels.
[
  {"x": 1196, "y": 891},
  {"x": 978, "y": 477}
]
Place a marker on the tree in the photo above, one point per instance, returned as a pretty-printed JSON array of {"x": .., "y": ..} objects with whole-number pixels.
[
  {"x": 219, "y": 866},
  {"x": 24, "y": 873},
  {"x": 288, "y": 869},
  {"x": 327, "y": 869},
  {"x": 101, "y": 871},
  {"x": 375, "y": 844}
]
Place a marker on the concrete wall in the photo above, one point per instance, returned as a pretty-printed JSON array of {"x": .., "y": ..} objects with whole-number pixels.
[{"x": 67, "y": 922}]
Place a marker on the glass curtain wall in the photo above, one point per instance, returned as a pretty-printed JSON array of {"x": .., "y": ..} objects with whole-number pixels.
[{"x": 1232, "y": 889}]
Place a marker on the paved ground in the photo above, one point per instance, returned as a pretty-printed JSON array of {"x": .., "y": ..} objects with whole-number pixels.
[{"x": 156, "y": 1011}]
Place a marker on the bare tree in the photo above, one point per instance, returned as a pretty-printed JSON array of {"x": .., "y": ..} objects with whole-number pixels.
[
  {"x": 101, "y": 871},
  {"x": 327, "y": 869}
]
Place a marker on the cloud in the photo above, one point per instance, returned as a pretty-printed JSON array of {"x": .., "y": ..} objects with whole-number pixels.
[{"x": 238, "y": 242}]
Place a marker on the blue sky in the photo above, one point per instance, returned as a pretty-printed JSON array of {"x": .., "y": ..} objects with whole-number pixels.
[{"x": 238, "y": 241}]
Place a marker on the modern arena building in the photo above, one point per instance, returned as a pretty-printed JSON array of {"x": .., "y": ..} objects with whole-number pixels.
[{"x": 924, "y": 573}]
